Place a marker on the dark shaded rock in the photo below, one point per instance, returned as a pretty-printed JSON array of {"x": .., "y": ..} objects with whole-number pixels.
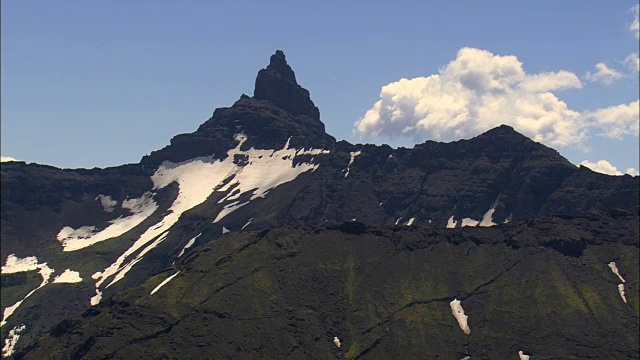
[
  {"x": 608, "y": 193},
  {"x": 277, "y": 84},
  {"x": 568, "y": 248},
  {"x": 81, "y": 350},
  {"x": 351, "y": 227},
  {"x": 64, "y": 327},
  {"x": 91, "y": 312}
]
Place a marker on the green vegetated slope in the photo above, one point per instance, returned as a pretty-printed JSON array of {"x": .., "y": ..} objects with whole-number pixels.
[{"x": 543, "y": 287}]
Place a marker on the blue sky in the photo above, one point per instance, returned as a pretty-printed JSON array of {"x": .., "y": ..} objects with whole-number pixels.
[{"x": 95, "y": 83}]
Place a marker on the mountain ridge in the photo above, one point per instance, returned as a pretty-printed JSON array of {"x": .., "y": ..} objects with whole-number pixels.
[{"x": 266, "y": 163}]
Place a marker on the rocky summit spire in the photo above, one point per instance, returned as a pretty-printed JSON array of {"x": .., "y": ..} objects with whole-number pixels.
[{"x": 277, "y": 84}]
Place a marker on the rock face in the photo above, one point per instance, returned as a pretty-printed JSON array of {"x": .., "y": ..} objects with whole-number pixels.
[
  {"x": 280, "y": 110},
  {"x": 277, "y": 85},
  {"x": 266, "y": 163}
]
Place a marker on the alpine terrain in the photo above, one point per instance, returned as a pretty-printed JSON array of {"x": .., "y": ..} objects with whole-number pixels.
[{"x": 259, "y": 236}]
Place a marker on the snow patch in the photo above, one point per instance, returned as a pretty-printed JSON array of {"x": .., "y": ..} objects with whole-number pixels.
[
  {"x": 190, "y": 244},
  {"x": 108, "y": 204},
  {"x": 95, "y": 300},
  {"x": 163, "y": 283},
  {"x": 85, "y": 236},
  {"x": 398, "y": 220},
  {"x": 9, "y": 310},
  {"x": 523, "y": 356},
  {"x": 336, "y": 341},
  {"x": 458, "y": 312},
  {"x": 410, "y": 222},
  {"x": 15, "y": 264},
  {"x": 508, "y": 219},
  {"x": 615, "y": 270},
  {"x": 245, "y": 225},
  {"x": 621, "y": 291},
  {"x": 228, "y": 209},
  {"x": 11, "y": 340},
  {"x": 469, "y": 222},
  {"x": 68, "y": 277},
  {"x": 225, "y": 230},
  {"x": 353, "y": 157},
  {"x": 487, "y": 218},
  {"x": 45, "y": 272}
]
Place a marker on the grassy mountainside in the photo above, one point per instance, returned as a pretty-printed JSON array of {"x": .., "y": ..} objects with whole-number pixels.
[{"x": 541, "y": 286}]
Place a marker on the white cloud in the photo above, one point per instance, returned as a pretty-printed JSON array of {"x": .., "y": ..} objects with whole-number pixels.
[
  {"x": 617, "y": 120},
  {"x": 605, "y": 167},
  {"x": 551, "y": 81},
  {"x": 478, "y": 91},
  {"x": 7, "y": 159},
  {"x": 632, "y": 62},
  {"x": 475, "y": 92},
  {"x": 634, "y": 27},
  {"x": 604, "y": 74}
]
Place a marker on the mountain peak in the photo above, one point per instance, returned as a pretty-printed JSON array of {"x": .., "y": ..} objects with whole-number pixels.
[
  {"x": 277, "y": 84},
  {"x": 278, "y": 64},
  {"x": 502, "y": 130},
  {"x": 504, "y": 133},
  {"x": 280, "y": 112}
]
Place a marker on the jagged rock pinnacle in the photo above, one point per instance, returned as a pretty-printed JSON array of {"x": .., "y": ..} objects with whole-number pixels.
[
  {"x": 279, "y": 112},
  {"x": 277, "y": 84}
]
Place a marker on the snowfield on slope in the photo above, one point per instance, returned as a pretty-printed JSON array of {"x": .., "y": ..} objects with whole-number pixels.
[
  {"x": 68, "y": 277},
  {"x": 108, "y": 204},
  {"x": 458, "y": 312},
  {"x": 16, "y": 265},
  {"x": 189, "y": 244},
  {"x": 76, "y": 239},
  {"x": 353, "y": 157},
  {"x": 199, "y": 178},
  {"x": 614, "y": 269},
  {"x": 487, "y": 220},
  {"x": 265, "y": 170},
  {"x": 163, "y": 283},
  {"x": 11, "y": 340}
]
